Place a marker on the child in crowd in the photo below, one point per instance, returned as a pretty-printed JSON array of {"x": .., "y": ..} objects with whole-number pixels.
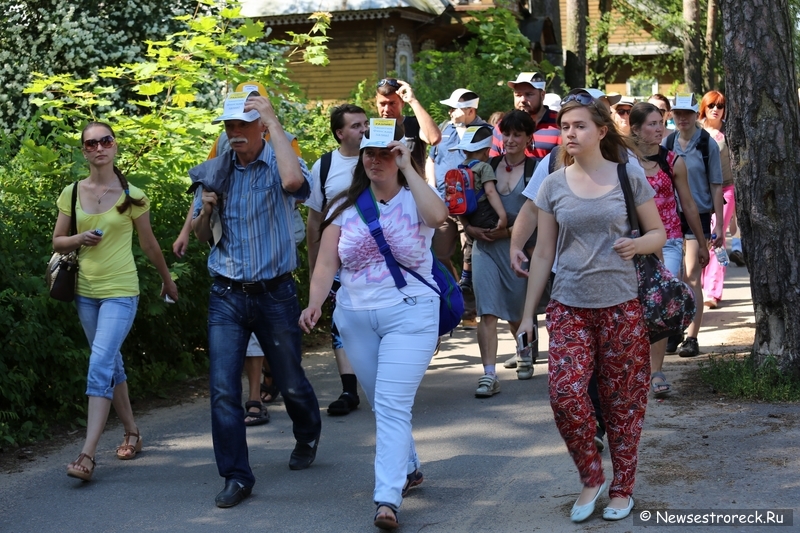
[{"x": 490, "y": 213}]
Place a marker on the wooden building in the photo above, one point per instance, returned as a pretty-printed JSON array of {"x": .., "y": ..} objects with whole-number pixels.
[
  {"x": 625, "y": 39},
  {"x": 371, "y": 38}
]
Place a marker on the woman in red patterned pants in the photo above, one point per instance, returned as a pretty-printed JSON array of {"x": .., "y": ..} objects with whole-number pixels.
[{"x": 594, "y": 319}]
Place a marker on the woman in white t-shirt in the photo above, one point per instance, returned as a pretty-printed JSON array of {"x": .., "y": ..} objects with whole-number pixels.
[
  {"x": 594, "y": 318},
  {"x": 390, "y": 332}
]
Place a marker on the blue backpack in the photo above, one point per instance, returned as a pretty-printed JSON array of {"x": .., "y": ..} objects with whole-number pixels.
[{"x": 451, "y": 302}]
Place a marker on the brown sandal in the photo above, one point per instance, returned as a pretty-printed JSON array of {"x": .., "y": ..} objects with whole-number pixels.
[
  {"x": 77, "y": 469},
  {"x": 126, "y": 450}
]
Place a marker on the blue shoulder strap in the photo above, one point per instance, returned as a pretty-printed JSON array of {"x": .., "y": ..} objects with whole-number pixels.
[{"x": 368, "y": 210}]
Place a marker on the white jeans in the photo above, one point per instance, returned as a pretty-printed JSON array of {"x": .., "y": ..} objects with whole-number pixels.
[{"x": 390, "y": 349}]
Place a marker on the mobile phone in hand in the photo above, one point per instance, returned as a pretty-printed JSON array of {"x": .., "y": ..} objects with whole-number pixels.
[{"x": 522, "y": 341}]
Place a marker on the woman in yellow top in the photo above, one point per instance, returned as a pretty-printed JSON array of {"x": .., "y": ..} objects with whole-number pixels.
[{"x": 107, "y": 292}]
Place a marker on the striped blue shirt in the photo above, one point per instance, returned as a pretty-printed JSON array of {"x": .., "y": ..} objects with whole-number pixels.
[{"x": 258, "y": 233}]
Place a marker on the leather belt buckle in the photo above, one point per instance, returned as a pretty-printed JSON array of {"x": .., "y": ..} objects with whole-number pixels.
[{"x": 255, "y": 287}]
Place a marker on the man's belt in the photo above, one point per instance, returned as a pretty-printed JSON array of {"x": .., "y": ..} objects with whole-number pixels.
[{"x": 255, "y": 287}]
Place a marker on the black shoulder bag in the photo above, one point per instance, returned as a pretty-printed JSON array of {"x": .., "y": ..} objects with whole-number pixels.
[{"x": 62, "y": 269}]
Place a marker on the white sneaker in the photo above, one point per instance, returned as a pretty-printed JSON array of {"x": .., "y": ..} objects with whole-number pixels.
[
  {"x": 525, "y": 369},
  {"x": 510, "y": 363},
  {"x": 488, "y": 386}
]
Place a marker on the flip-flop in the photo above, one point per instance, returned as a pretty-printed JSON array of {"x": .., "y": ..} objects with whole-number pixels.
[
  {"x": 255, "y": 419},
  {"x": 660, "y": 389}
]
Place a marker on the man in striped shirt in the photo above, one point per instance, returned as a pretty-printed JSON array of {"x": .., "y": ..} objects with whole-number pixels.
[
  {"x": 244, "y": 203},
  {"x": 529, "y": 97}
]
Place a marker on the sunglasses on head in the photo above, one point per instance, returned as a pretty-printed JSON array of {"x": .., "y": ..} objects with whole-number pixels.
[
  {"x": 582, "y": 98},
  {"x": 391, "y": 82},
  {"x": 90, "y": 145},
  {"x": 716, "y": 106}
]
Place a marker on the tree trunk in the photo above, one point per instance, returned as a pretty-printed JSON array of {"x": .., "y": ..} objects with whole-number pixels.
[
  {"x": 763, "y": 131},
  {"x": 575, "y": 64},
  {"x": 711, "y": 41},
  {"x": 692, "y": 47},
  {"x": 601, "y": 64}
]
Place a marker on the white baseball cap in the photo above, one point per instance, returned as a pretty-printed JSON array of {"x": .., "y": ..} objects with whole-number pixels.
[
  {"x": 528, "y": 77},
  {"x": 455, "y": 104}
]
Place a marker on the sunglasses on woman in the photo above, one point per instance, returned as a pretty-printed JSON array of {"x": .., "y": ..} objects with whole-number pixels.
[
  {"x": 716, "y": 106},
  {"x": 581, "y": 98},
  {"x": 90, "y": 145},
  {"x": 391, "y": 82}
]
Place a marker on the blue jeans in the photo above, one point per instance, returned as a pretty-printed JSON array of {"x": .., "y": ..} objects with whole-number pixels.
[
  {"x": 272, "y": 316},
  {"x": 106, "y": 322},
  {"x": 390, "y": 349},
  {"x": 673, "y": 256}
]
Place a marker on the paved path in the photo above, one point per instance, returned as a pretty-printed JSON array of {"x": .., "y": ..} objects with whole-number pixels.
[{"x": 491, "y": 465}]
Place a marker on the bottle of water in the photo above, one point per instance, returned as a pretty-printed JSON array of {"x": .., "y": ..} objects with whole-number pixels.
[{"x": 720, "y": 252}]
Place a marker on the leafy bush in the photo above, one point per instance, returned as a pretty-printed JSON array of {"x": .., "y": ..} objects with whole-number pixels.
[
  {"x": 45, "y": 358},
  {"x": 56, "y": 37}
]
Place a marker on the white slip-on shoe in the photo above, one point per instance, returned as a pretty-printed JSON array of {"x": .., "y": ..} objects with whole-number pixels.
[
  {"x": 610, "y": 513},
  {"x": 580, "y": 513}
]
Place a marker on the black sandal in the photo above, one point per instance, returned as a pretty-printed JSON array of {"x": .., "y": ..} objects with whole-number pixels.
[
  {"x": 384, "y": 519},
  {"x": 256, "y": 419},
  {"x": 269, "y": 393}
]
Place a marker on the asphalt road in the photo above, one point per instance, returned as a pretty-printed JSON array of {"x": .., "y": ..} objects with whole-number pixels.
[{"x": 490, "y": 465}]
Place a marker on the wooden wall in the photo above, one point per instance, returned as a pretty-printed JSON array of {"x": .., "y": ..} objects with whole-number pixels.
[
  {"x": 620, "y": 33},
  {"x": 353, "y": 56}
]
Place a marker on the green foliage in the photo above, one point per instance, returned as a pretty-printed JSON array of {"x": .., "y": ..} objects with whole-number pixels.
[
  {"x": 495, "y": 53},
  {"x": 663, "y": 20},
  {"x": 744, "y": 378},
  {"x": 56, "y": 37},
  {"x": 162, "y": 130}
]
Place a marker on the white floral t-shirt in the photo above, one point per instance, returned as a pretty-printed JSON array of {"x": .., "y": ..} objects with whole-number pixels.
[{"x": 366, "y": 280}]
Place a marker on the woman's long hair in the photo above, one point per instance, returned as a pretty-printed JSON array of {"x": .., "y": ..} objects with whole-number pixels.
[
  {"x": 614, "y": 146},
  {"x": 124, "y": 206},
  {"x": 360, "y": 182}
]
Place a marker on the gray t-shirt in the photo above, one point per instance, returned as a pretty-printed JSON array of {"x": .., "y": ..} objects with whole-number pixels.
[
  {"x": 590, "y": 273},
  {"x": 696, "y": 169}
]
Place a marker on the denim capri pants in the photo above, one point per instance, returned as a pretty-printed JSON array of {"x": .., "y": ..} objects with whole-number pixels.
[{"x": 106, "y": 322}]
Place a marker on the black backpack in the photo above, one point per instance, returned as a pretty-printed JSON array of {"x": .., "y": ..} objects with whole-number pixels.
[
  {"x": 551, "y": 165},
  {"x": 324, "y": 169},
  {"x": 702, "y": 145}
]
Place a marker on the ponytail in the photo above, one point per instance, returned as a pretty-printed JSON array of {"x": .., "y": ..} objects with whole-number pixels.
[{"x": 124, "y": 206}]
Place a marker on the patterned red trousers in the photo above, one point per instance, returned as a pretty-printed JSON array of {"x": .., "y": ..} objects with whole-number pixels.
[{"x": 614, "y": 339}]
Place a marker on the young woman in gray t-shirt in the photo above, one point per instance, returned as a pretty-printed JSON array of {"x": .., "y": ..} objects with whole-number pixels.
[{"x": 594, "y": 318}]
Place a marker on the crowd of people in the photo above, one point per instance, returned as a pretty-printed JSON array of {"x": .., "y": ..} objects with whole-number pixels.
[{"x": 549, "y": 235}]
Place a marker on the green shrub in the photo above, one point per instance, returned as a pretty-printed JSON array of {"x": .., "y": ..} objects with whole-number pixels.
[
  {"x": 495, "y": 53},
  {"x": 45, "y": 357}
]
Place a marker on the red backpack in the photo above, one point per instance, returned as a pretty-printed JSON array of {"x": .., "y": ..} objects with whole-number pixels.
[{"x": 459, "y": 190}]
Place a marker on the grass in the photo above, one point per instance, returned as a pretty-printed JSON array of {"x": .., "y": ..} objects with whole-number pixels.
[{"x": 740, "y": 377}]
